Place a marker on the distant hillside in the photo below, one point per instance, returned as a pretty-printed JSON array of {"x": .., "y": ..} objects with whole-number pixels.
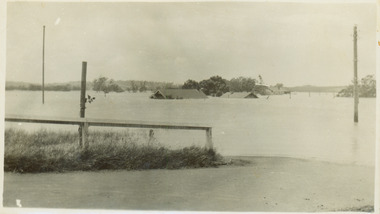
[{"x": 310, "y": 88}]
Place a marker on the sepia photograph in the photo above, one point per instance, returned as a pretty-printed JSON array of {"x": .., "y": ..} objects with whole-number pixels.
[{"x": 238, "y": 106}]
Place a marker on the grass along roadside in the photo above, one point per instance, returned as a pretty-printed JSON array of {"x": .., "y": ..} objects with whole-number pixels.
[
  {"x": 48, "y": 151},
  {"x": 366, "y": 209}
]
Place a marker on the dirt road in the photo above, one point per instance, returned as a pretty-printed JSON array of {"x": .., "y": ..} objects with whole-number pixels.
[{"x": 267, "y": 184}]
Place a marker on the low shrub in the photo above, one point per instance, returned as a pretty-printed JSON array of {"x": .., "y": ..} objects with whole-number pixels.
[{"x": 47, "y": 151}]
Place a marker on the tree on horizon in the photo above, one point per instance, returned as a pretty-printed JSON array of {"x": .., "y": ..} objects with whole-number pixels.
[
  {"x": 191, "y": 84},
  {"x": 215, "y": 86},
  {"x": 105, "y": 85},
  {"x": 241, "y": 84},
  {"x": 366, "y": 87}
]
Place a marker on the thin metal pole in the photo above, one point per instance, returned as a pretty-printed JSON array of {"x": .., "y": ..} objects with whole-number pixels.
[
  {"x": 356, "y": 96},
  {"x": 43, "y": 66}
]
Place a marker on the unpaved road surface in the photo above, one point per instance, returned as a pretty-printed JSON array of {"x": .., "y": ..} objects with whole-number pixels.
[{"x": 266, "y": 184}]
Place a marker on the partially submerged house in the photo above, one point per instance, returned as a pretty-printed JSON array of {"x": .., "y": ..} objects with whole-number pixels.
[
  {"x": 262, "y": 90},
  {"x": 239, "y": 95},
  {"x": 178, "y": 94},
  {"x": 281, "y": 91}
]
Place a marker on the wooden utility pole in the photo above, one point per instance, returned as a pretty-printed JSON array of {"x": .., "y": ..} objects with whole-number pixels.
[
  {"x": 83, "y": 129},
  {"x": 356, "y": 96},
  {"x": 43, "y": 65},
  {"x": 209, "y": 144},
  {"x": 83, "y": 90}
]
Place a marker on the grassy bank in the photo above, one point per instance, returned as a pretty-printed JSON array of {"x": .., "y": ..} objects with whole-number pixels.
[
  {"x": 47, "y": 151},
  {"x": 366, "y": 209}
]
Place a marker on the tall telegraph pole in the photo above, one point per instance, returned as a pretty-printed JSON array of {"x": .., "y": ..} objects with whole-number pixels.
[
  {"x": 43, "y": 66},
  {"x": 356, "y": 97}
]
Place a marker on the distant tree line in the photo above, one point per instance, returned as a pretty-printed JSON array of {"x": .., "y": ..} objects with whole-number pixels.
[
  {"x": 217, "y": 86},
  {"x": 143, "y": 86},
  {"x": 112, "y": 85},
  {"x": 106, "y": 85},
  {"x": 366, "y": 88},
  {"x": 37, "y": 87},
  {"x": 213, "y": 86},
  {"x": 109, "y": 85}
]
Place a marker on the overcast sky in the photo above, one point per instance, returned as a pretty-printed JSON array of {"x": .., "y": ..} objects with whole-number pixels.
[{"x": 291, "y": 43}]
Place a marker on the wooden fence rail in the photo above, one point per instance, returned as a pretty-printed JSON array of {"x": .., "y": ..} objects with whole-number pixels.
[{"x": 86, "y": 122}]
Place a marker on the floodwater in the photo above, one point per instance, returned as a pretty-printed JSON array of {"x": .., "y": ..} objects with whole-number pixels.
[{"x": 316, "y": 127}]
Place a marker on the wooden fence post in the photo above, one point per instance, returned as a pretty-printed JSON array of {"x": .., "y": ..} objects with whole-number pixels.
[
  {"x": 209, "y": 138},
  {"x": 80, "y": 144},
  {"x": 83, "y": 128},
  {"x": 84, "y": 135},
  {"x": 85, "y": 123},
  {"x": 151, "y": 137}
]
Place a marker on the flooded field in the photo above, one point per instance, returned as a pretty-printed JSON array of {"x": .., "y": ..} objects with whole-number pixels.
[{"x": 319, "y": 127}]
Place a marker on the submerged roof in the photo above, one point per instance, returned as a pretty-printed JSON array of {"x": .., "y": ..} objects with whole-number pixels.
[
  {"x": 239, "y": 95},
  {"x": 178, "y": 94}
]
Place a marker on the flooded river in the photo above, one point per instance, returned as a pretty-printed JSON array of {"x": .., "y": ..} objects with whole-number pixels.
[{"x": 316, "y": 127}]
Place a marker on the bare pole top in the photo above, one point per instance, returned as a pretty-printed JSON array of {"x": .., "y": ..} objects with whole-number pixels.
[
  {"x": 355, "y": 90},
  {"x": 43, "y": 65}
]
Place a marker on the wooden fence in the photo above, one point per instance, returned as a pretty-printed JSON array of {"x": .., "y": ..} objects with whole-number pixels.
[{"x": 86, "y": 122}]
